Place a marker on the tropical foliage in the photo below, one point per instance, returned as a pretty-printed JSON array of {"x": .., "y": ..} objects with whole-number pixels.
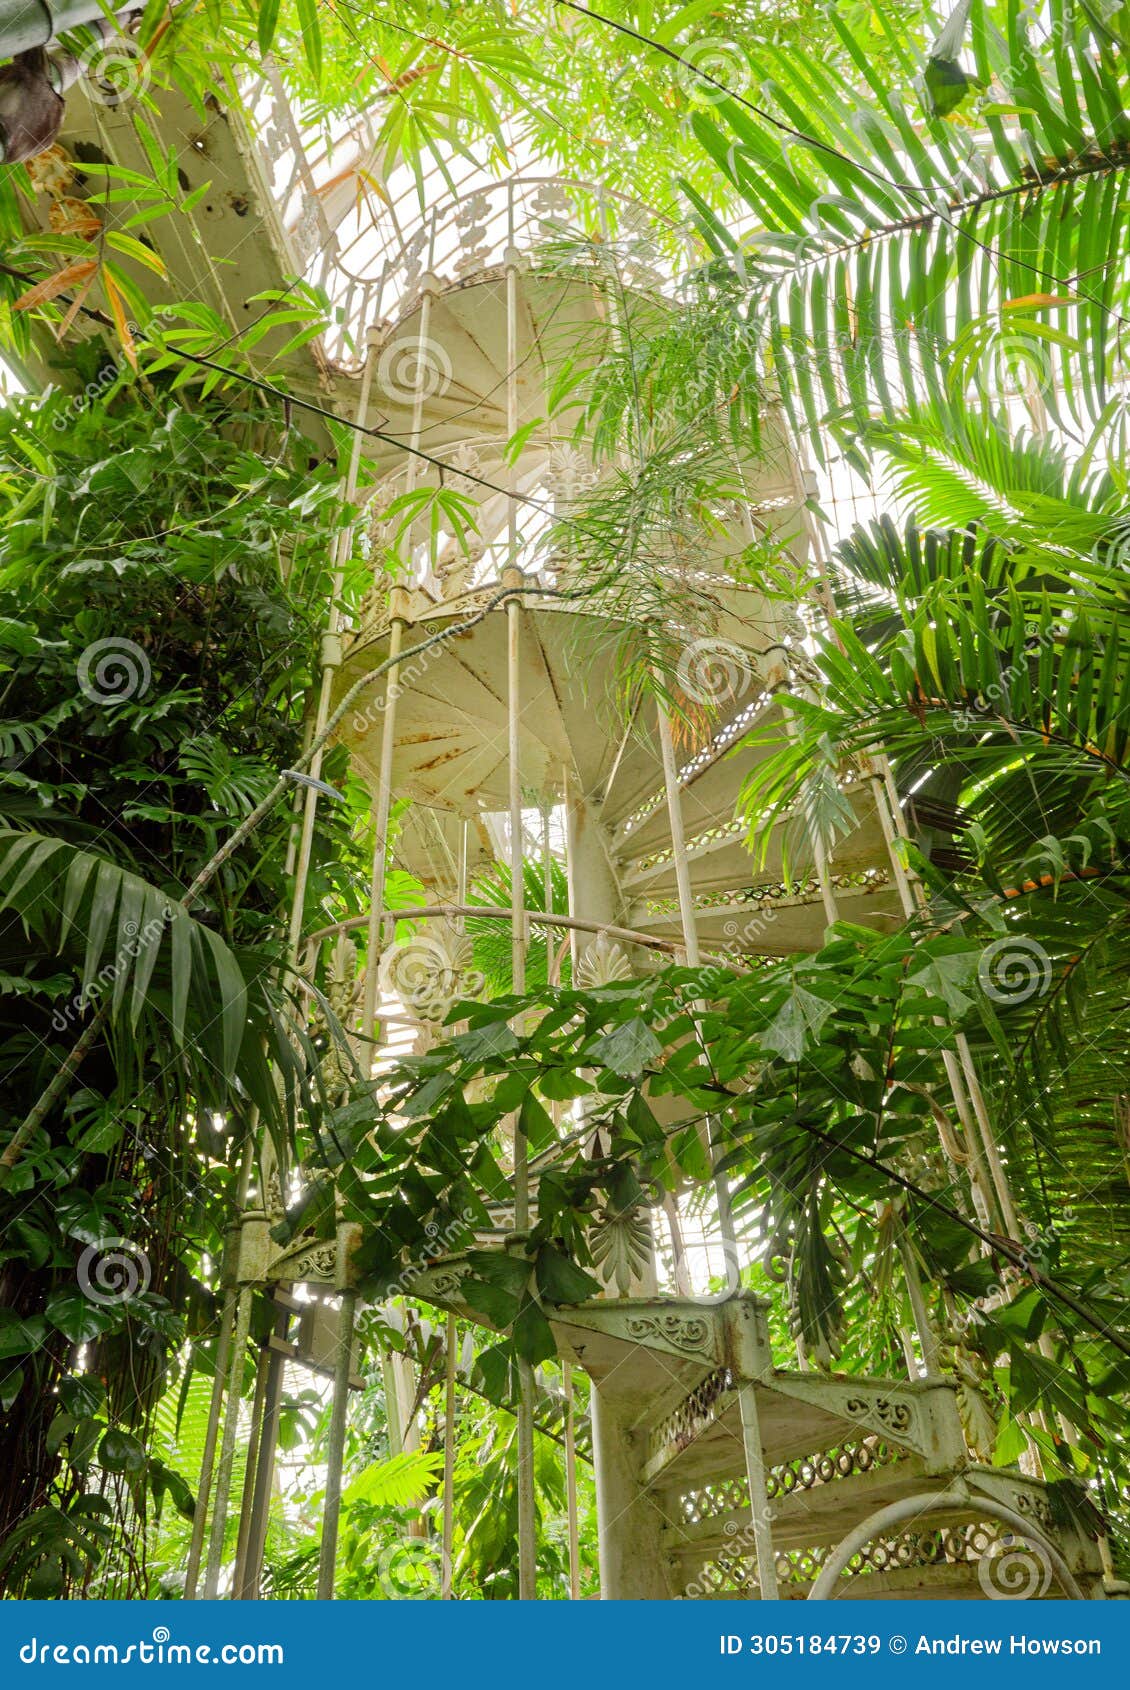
[
  {"x": 156, "y": 656},
  {"x": 898, "y": 229}
]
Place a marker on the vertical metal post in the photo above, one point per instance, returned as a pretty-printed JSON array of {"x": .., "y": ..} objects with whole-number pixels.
[
  {"x": 754, "y": 1452},
  {"x": 684, "y": 1286},
  {"x": 988, "y": 1138},
  {"x": 694, "y": 957},
  {"x": 527, "y": 1514},
  {"x": 527, "y": 1517},
  {"x": 227, "y": 1446},
  {"x": 381, "y": 809},
  {"x": 221, "y": 1380},
  {"x": 593, "y": 893},
  {"x": 396, "y": 1435},
  {"x": 428, "y": 285},
  {"x": 248, "y": 1587},
  {"x": 250, "y": 1471},
  {"x": 517, "y": 880},
  {"x": 678, "y": 837},
  {"x": 927, "y": 1337},
  {"x": 450, "y": 1357},
  {"x": 335, "y": 1454},
  {"x": 464, "y": 852},
  {"x": 571, "y": 1485},
  {"x": 547, "y": 861},
  {"x": 208, "y": 1455},
  {"x": 331, "y": 662}
]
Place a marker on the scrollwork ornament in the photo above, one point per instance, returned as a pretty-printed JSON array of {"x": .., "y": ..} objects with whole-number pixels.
[
  {"x": 315, "y": 1264},
  {"x": 886, "y": 1413},
  {"x": 682, "y": 1332}
]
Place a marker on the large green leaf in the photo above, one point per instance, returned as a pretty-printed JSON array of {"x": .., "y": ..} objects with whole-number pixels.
[{"x": 129, "y": 932}]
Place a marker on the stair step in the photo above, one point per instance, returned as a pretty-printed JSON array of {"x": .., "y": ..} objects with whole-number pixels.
[
  {"x": 952, "y": 1559},
  {"x": 697, "y": 1441},
  {"x": 777, "y": 925},
  {"x": 709, "y": 788},
  {"x": 931, "y": 1582},
  {"x": 821, "y": 1513},
  {"x": 464, "y": 395},
  {"x": 635, "y": 807},
  {"x": 450, "y": 749},
  {"x": 428, "y": 844},
  {"x": 717, "y": 861},
  {"x": 720, "y": 847}
]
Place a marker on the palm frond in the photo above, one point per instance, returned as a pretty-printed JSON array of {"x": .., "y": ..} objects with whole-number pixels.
[
  {"x": 900, "y": 252},
  {"x": 126, "y": 929}
]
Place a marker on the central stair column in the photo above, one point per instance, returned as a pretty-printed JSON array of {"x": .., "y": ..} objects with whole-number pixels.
[
  {"x": 593, "y": 892},
  {"x": 632, "y": 1566}
]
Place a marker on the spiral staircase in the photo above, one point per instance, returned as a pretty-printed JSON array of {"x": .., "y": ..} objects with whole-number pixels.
[
  {"x": 719, "y": 1471},
  {"x": 577, "y": 742}
]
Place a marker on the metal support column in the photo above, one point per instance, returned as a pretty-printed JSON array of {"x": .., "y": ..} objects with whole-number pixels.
[
  {"x": 694, "y": 957},
  {"x": 571, "y": 1484},
  {"x": 751, "y": 1432},
  {"x": 381, "y": 809},
  {"x": 331, "y": 659},
  {"x": 527, "y": 1514},
  {"x": 451, "y": 1339},
  {"x": 335, "y": 1454},
  {"x": 227, "y": 1446},
  {"x": 247, "y": 1587},
  {"x": 250, "y": 1471},
  {"x": 208, "y": 1455},
  {"x": 754, "y": 1453}
]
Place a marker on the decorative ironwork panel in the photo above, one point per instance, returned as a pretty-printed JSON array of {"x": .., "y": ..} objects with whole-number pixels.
[
  {"x": 804, "y": 1473},
  {"x": 692, "y": 1416}
]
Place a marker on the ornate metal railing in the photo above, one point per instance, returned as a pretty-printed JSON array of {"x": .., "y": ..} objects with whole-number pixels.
[{"x": 366, "y": 241}]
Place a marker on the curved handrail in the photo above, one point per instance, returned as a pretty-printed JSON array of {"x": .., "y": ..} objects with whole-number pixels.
[
  {"x": 368, "y": 264},
  {"x": 499, "y": 912},
  {"x": 932, "y": 1502},
  {"x": 514, "y": 187}
]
